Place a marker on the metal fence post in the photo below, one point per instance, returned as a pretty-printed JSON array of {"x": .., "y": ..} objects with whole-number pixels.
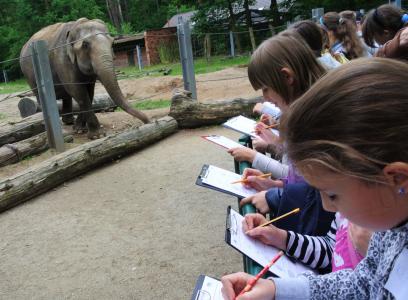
[
  {"x": 5, "y": 76},
  {"x": 232, "y": 46},
  {"x": 186, "y": 57},
  {"x": 139, "y": 57},
  {"x": 46, "y": 93}
]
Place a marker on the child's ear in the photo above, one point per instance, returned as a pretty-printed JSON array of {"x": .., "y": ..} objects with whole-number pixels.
[
  {"x": 396, "y": 174},
  {"x": 288, "y": 75}
]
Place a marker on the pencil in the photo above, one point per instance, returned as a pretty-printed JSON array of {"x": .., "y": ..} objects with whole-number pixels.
[
  {"x": 268, "y": 127},
  {"x": 296, "y": 210},
  {"x": 246, "y": 180},
  {"x": 253, "y": 281}
]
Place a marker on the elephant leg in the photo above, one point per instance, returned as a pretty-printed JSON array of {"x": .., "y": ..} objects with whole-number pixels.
[
  {"x": 95, "y": 130},
  {"x": 80, "y": 124},
  {"x": 67, "y": 116}
]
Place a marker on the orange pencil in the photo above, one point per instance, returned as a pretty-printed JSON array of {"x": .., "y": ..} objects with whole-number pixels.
[
  {"x": 296, "y": 210},
  {"x": 267, "y": 127},
  {"x": 253, "y": 281},
  {"x": 246, "y": 180}
]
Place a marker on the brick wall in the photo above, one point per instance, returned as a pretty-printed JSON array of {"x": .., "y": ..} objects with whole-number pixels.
[{"x": 153, "y": 38}]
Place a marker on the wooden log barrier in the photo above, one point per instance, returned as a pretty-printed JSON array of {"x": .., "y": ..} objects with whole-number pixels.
[
  {"x": 13, "y": 153},
  {"x": 12, "y": 132},
  {"x": 64, "y": 166},
  {"x": 190, "y": 113},
  {"x": 101, "y": 102}
]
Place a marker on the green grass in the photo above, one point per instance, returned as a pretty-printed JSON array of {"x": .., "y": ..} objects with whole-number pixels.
[
  {"x": 201, "y": 66},
  {"x": 19, "y": 85},
  {"x": 149, "y": 104}
]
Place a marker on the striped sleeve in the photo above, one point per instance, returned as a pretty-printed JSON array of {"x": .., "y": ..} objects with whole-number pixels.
[{"x": 314, "y": 251}]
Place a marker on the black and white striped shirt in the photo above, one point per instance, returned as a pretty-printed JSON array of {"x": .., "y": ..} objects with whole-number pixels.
[{"x": 314, "y": 251}]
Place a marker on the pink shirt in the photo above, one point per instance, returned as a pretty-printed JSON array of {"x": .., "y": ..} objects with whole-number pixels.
[{"x": 345, "y": 255}]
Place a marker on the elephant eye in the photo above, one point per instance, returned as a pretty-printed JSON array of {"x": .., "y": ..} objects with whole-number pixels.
[{"x": 85, "y": 45}]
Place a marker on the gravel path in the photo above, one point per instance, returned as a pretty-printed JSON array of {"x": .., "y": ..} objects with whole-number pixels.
[{"x": 136, "y": 229}]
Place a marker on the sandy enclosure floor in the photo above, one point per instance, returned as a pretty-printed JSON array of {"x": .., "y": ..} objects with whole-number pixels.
[{"x": 138, "y": 228}]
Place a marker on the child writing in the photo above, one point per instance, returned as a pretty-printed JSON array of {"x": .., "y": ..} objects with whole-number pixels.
[
  {"x": 283, "y": 68},
  {"x": 332, "y": 136}
]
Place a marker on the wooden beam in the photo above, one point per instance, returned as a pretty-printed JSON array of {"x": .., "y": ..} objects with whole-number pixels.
[{"x": 190, "y": 113}]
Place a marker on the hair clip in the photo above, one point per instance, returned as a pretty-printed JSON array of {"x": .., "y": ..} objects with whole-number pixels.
[
  {"x": 404, "y": 18},
  {"x": 401, "y": 191}
]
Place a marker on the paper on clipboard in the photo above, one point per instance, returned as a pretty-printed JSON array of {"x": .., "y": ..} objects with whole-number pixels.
[
  {"x": 221, "y": 180},
  {"x": 207, "y": 288},
  {"x": 222, "y": 141},
  {"x": 244, "y": 125},
  {"x": 258, "y": 251}
]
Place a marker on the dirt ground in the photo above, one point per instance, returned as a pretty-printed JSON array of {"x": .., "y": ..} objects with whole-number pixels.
[{"x": 136, "y": 229}]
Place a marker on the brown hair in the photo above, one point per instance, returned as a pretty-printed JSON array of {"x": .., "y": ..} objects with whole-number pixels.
[
  {"x": 353, "y": 121},
  {"x": 345, "y": 31},
  {"x": 349, "y": 15},
  {"x": 279, "y": 52},
  {"x": 311, "y": 33},
  {"x": 385, "y": 17}
]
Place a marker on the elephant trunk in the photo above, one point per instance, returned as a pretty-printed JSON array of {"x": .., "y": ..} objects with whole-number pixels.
[{"x": 103, "y": 67}]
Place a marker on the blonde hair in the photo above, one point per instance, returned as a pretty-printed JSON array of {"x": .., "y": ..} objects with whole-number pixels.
[
  {"x": 279, "y": 52},
  {"x": 353, "y": 121}
]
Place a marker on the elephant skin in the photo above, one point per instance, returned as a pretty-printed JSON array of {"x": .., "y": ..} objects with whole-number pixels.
[{"x": 80, "y": 52}]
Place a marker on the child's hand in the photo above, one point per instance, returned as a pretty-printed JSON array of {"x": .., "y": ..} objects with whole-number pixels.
[
  {"x": 260, "y": 184},
  {"x": 233, "y": 284},
  {"x": 258, "y": 200},
  {"x": 242, "y": 154},
  {"x": 259, "y": 144},
  {"x": 360, "y": 238},
  {"x": 404, "y": 38},
  {"x": 269, "y": 235},
  {"x": 267, "y": 135},
  {"x": 258, "y": 108}
]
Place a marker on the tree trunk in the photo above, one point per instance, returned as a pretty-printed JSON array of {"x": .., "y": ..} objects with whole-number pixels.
[
  {"x": 13, "y": 153},
  {"x": 207, "y": 46},
  {"x": 232, "y": 22},
  {"x": 115, "y": 13},
  {"x": 101, "y": 102},
  {"x": 16, "y": 131},
  {"x": 248, "y": 19},
  {"x": 190, "y": 113},
  {"x": 69, "y": 164},
  {"x": 274, "y": 11}
]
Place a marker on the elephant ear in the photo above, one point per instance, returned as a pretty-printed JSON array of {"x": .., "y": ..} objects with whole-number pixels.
[{"x": 72, "y": 36}]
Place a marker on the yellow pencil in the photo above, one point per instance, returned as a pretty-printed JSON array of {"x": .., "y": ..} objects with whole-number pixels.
[
  {"x": 296, "y": 210},
  {"x": 246, "y": 180}
]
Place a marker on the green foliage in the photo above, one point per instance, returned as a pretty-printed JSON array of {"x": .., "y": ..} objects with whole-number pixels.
[
  {"x": 149, "y": 104},
  {"x": 14, "y": 86},
  {"x": 168, "y": 52}
]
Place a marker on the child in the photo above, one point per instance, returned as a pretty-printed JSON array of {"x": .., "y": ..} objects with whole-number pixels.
[
  {"x": 343, "y": 37},
  {"x": 387, "y": 26},
  {"x": 283, "y": 68},
  {"x": 332, "y": 136}
]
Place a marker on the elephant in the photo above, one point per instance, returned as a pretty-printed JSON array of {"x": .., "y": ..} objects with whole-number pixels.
[{"x": 79, "y": 52}]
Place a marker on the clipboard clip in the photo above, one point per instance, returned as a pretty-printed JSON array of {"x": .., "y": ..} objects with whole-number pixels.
[
  {"x": 202, "y": 295},
  {"x": 231, "y": 223},
  {"x": 204, "y": 171}
]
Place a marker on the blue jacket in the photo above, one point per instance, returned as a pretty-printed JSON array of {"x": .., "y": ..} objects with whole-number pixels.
[{"x": 312, "y": 218}]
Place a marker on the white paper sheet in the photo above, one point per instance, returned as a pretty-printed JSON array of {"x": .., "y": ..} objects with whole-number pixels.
[
  {"x": 244, "y": 125},
  {"x": 210, "y": 290},
  {"x": 222, "y": 141},
  {"x": 260, "y": 252},
  {"x": 223, "y": 179}
]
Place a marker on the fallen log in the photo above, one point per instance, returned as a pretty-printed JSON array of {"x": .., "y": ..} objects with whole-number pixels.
[
  {"x": 69, "y": 164},
  {"x": 190, "y": 113},
  {"x": 102, "y": 102},
  {"x": 13, "y": 153},
  {"x": 12, "y": 132}
]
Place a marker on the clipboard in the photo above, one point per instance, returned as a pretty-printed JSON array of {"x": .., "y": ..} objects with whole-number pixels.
[
  {"x": 221, "y": 141},
  {"x": 236, "y": 190},
  {"x": 257, "y": 251},
  {"x": 207, "y": 288}
]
